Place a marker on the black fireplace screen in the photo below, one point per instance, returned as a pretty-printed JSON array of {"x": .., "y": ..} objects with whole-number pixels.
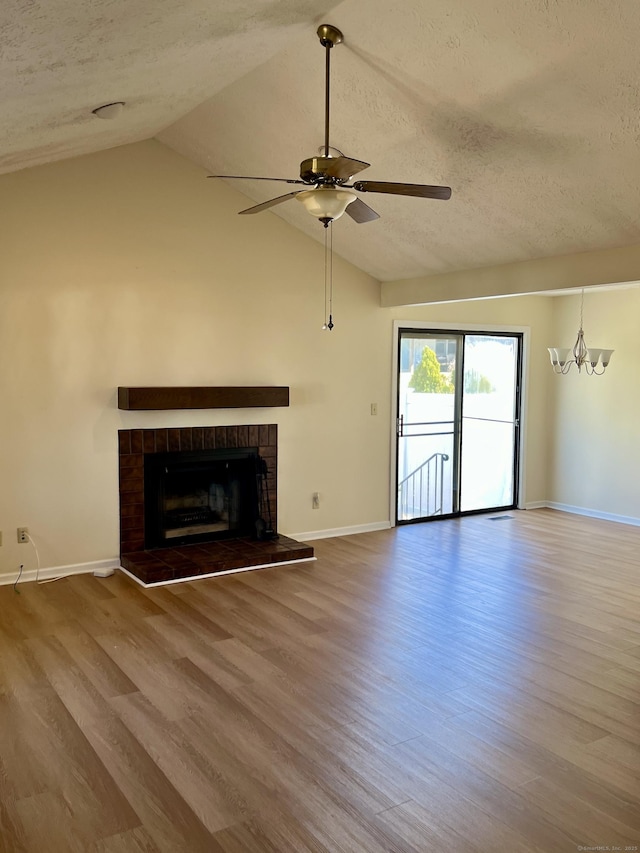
[{"x": 200, "y": 496}]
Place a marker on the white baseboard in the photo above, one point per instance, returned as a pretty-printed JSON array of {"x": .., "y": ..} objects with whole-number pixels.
[
  {"x": 102, "y": 568},
  {"x": 99, "y": 567},
  {"x": 340, "y": 531},
  {"x": 386, "y": 525},
  {"x": 105, "y": 568},
  {"x": 593, "y": 513}
]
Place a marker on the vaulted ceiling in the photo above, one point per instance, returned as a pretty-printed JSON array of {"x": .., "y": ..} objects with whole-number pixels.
[{"x": 529, "y": 110}]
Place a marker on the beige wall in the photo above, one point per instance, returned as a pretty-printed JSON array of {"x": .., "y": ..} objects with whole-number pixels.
[
  {"x": 129, "y": 267},
  {"x": 596, "y": 453}
]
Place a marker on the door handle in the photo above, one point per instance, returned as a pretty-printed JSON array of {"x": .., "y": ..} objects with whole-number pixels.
[{"x": 400, "y": 426}]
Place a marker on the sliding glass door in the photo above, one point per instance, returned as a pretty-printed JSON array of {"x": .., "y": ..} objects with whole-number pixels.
[
  {"x": 428, "y": 426},
  {"x": 457, "y": 423}
]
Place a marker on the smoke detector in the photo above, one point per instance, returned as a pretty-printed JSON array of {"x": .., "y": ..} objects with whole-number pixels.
[{"x": 109, "y": 111}]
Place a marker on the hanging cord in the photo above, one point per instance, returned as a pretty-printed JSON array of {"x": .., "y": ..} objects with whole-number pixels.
[
  {"x": 38, "y": 567},
  {"x": 581, "y": 307},
  {"x": 15, "y": 586},
  {"x": 47, "y": 580}
]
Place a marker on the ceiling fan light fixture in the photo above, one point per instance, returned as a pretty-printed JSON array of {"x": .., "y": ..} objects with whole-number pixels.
[{"x": 326, "y": 203}]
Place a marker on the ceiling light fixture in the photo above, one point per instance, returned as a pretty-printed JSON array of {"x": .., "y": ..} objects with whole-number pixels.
[
  {"x": 590, "y": 359},
  {"x": 109, "y": 111},
  {"x": 326, "y": 203}
]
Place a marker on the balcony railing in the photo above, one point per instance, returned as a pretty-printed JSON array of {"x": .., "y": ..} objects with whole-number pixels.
[{"x": 420, "y": 494}]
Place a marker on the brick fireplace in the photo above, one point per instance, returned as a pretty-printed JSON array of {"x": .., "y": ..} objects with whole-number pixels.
[{"x": 220, "y": 555}]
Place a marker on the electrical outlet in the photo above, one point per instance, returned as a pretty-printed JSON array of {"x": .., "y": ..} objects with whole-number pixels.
[
  {"x": 374, "y": 408},
  {"x": 23, "y": 534},
  {"x": 315, "y": 503}
]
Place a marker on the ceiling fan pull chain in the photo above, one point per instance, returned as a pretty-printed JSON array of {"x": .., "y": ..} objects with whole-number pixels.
[
  {"x": 326, "y": 281},
  {"x": 328, "y": 276},
  {"x": 330, "y": 323}
]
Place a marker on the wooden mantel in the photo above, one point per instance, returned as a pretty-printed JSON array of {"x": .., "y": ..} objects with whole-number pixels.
[{"x": 238, "y": 397}]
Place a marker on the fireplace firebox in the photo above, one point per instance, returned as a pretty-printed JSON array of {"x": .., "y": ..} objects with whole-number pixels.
[{"x": 200, "y": 496}]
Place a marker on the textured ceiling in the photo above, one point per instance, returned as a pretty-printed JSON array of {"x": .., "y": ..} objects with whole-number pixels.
[
  {"x": 60, "y": 60},
  {"x": 529, "y": 110}
]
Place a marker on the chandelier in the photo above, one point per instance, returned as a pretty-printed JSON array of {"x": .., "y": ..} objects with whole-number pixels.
[{"x": 589, "y": 358}]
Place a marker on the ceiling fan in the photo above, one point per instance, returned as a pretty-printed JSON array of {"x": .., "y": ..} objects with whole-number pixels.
[{"x": 328, "y": 175}]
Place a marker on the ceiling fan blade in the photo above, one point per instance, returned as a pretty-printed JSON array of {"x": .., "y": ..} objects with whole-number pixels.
[
  {"x": 252, "y": 178},
  {"x": 419, "y": 190},
  {"x": 361, "y": 212},
  {"x": 337, "y": 168},
  {"x": 271, "y": 203}
]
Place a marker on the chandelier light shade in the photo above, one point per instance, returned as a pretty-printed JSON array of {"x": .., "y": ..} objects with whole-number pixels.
[
  {"x": 594, "y": 361},
  {"x": 326, "y": 203}
]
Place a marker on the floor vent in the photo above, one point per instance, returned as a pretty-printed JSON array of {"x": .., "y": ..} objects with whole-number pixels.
[{"x": 500, "y": 517}]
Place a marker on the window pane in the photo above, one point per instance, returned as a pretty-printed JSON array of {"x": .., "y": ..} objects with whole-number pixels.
[{"x": 488, "y": 422}]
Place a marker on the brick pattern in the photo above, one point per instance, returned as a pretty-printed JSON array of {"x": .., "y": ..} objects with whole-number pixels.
[
  {"x": 186, "y": 561},
  {"x": 134, "y": 443}
]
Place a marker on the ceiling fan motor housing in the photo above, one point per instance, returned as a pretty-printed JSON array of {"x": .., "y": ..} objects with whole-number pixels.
[{"x": 314, "y": 171}]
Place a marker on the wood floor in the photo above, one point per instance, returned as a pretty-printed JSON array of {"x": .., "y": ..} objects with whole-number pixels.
[{"x": 455, "y": 686}]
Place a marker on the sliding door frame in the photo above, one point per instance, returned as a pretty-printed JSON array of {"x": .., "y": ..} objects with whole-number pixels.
[{"x": 449, "y": 328}]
